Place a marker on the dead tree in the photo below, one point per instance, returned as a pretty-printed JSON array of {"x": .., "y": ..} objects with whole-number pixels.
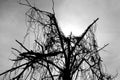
[{"x": 54, "y": 56}]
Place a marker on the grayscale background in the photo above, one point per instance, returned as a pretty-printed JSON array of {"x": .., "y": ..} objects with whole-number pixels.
[{"x": 72, "y": 15}]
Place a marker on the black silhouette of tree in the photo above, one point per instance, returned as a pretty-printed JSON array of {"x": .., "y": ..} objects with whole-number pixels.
[{"x": 54, "y": 56}]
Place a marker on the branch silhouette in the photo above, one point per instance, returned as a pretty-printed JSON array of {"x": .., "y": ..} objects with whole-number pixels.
[{"x": 53, "y": 56}]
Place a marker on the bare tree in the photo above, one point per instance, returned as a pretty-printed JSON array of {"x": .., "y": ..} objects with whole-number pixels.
[{"x": 54, "y": 56}]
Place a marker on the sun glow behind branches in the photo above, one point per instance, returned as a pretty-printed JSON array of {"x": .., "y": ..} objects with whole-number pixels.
[{"x": 71, "y": 25}]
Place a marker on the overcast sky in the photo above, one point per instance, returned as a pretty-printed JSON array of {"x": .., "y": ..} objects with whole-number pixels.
[{"x": 72, "y": 15}]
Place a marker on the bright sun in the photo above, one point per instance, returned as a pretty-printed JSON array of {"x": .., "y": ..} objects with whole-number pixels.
[{"x": 71, "y": 26}]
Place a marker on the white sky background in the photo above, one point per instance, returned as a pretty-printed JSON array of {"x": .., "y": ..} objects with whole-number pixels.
[{"x": 72, "y": 15}]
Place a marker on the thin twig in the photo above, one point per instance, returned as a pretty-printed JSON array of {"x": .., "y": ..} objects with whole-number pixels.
[
  {"x": 16, "y": 50},
  {"x": 53, "y": 7},
  {"x": 14, "y": 68},
  {"x": 22, "y": 45}
]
